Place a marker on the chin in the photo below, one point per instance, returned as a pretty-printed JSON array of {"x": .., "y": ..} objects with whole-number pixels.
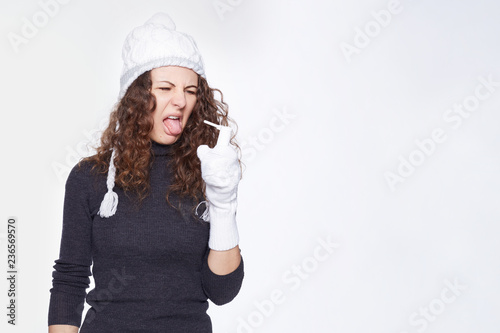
[{"x": 165, "y": 140}]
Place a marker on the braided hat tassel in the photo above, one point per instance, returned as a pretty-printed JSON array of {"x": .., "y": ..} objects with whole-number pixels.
[{"x": 110, "y": 201}]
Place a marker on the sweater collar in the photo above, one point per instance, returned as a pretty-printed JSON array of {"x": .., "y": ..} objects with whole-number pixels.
[{"x": 159, "y": 149}]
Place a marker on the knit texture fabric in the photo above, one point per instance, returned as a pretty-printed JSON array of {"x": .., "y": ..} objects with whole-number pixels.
[
  {"x": 221, "y": 172},
  {"x": 149, "y": 263},
  {"x": 154, "y": 44}
]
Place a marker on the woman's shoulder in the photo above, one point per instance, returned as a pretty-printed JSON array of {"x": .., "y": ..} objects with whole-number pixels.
[
  {"x": 86, "y": 172},
  {"x": 87, "y": 184},
  {"x": 84, "y": 167}
]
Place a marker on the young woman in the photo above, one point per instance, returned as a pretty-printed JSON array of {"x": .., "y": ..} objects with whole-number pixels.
[{"x": 154, "y": 210}]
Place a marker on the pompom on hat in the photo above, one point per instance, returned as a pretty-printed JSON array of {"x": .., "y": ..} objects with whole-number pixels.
[{"x": 154, "y": 44}]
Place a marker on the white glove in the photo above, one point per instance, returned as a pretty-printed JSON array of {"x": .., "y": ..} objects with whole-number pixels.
[{"x": 221, "y": 172}]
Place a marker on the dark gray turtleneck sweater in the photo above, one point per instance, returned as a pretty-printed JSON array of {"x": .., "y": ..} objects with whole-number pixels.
[{"x": 149, "y": 265}]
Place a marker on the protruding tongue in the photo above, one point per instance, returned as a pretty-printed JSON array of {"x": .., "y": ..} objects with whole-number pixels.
[{"x": 173, "y": 126}]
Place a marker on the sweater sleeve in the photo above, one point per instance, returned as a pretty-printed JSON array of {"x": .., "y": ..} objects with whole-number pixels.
[
  {"x": 72, "y": 269},
  {"x": 221, "y": 289}
]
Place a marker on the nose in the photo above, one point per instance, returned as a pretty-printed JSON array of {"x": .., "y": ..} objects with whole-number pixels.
[{"x": 178, "y": 99}]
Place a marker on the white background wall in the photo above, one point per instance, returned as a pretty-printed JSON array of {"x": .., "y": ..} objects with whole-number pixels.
[{"x": 321, "y": 130}]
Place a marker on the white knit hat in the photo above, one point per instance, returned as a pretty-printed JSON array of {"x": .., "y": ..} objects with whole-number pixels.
[
  {"x": 156, "y": 44},
  {"x": 152, "y": 45}
]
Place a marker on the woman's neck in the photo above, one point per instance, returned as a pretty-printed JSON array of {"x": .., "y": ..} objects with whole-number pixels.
[{"x": 160, "y": 149}]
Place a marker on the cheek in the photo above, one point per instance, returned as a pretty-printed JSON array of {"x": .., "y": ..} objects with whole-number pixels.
[
  {"x": 160, "y": 107},
  {"x": 161, "y": 101},
  {"x": 156, "y": 117},
  {"x": 191, "y": 108}
]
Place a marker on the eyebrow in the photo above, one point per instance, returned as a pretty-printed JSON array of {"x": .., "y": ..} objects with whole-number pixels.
[{"x": 191, "y": 86}]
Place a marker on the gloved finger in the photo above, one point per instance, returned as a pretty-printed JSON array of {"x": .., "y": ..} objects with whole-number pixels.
[
  {"x": 228, "y": 151},
  {"x": 202, "y": 151}
]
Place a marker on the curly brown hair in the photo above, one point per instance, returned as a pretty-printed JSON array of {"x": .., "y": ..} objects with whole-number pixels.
[{"x": 132, "y": 143}]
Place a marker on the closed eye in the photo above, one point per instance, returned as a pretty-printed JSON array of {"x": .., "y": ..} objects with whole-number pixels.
[{"x": 191, "y": 92}]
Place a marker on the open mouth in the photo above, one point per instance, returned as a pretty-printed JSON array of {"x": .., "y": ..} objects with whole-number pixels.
[{"x": 172, "y": 125}]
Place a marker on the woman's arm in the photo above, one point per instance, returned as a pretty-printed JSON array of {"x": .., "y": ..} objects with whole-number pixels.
[
  {"x": 70, "y": 277},
  {"x": 223, "y": 271},
  {"x": 63, "y": 329},
  {"x": 224, "y": 262},
  {"x": 221, "y": 281}
]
